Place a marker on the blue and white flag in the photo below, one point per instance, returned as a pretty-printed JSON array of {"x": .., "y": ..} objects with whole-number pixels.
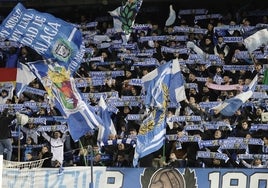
[
  {"x": 151, "y": 135},
  {"x": 60, "y": 86},
  {"x": 24, "y": 77},
  {"x": 152, "y": 131},
  {"x": 256, "y": 40},
  {"x": 230, "y": 106},
  {"x": 107, "y": 127},
  {"x": 168, "y": 74},
  {"x": 49, "y": 36}
]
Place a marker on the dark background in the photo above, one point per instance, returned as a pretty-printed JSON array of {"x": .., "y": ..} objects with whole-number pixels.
[{"x": 156, "y": 10}]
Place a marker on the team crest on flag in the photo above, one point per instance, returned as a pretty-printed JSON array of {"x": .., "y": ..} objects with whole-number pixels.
[
  {"x": 61, "y": 79},
  {"x": 62, "y": 50}
]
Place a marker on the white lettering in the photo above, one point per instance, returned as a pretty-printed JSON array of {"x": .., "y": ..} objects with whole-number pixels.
[
  {"x": 4, "y": 33},
  {"x": 25, "y": 21},
  {"x": 33, "y": 31},
  {"x": 117, "y": 177},
  {"x": 39, "y": 21},
  {"x": 256, "y": 178},
  {"x": 27, "y": 41},
  {"x": 240, "y": 178},
  {"x": 54, "y": 25},
  {"x": 50, "y": 32},
  {"x": 14, "y": 19},
  {"x": 12, "y": 22},
  {"x": 16, "y": 35},
  {"x": 46, "y": 38},
  {"x": 41, "y": 48}
]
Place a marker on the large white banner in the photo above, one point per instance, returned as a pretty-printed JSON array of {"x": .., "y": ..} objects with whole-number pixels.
[{"x": 72, "y": 177}]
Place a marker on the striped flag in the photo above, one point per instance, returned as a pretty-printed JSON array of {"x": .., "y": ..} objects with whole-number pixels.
[
  {"x": 151, "y": 135},
  {"x": 230, "y": 106},
  {"x": 107, "y": 127},
  {"x": 164, "y": 84},
  {"x": 168, "y": 74}
]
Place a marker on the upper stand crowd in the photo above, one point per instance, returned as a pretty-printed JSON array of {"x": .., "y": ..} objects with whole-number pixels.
[{"x": 196, "y": 138}]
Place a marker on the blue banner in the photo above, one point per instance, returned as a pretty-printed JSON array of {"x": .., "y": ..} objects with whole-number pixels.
[
  {"x": 73, "y": 177},
  {"x": 51, "y": 37}
]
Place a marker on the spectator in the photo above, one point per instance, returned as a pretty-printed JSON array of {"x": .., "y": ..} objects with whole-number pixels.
[
  {"x": 46, "y": 155},
  {"x": 89, "y": 139},
  {"x": 221, "y": 47},
  {"x": 57, "y": 147},
  {"x": 256, "y": 163},
  {"x": 97, "y": 161},
  {"x": 41, "y": 112},
  {"x": 30, "y": 131},
  {"x": 217, "y": 163},
  {"x": 264, "y": 148},
  {"x": 5, "y": 134},
  {"x": 242, "y": 129},
  {"x": 208, "y": 46},
  {"x": 82, "y": 157},
  {"x": 179, "y": 149},
  {"x": 121, "y": 161},
  {"x": 6, "y": 94},
  {"x": 30, "y": 150},
  {"x": 172, "y": 162}
]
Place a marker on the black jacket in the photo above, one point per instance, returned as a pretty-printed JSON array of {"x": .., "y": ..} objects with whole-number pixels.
[{"x": 5, "y": 122}]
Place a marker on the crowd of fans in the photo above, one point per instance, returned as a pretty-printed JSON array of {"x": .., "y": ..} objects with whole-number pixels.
[{"x": 121, "y": 67}]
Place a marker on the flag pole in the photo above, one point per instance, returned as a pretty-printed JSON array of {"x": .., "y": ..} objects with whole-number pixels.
[
  {"x": 164, "y": 152},
  {"x": 18, "y": 142},
  {"x": 82, "y": 147},
  {"x": 91, "y": 185}
]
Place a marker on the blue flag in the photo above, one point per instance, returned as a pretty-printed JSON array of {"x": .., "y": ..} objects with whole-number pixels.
[
  {"x": 60, "y": 86},
  {"x": 151, "y": 134},
  {"x": 107, "y": 127},
  {"x": 230, "y": 106},
  {"x": 162, "y": 85},
  {"x": 49, "y": 36},
  {"x": 168, "y": 74}
]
